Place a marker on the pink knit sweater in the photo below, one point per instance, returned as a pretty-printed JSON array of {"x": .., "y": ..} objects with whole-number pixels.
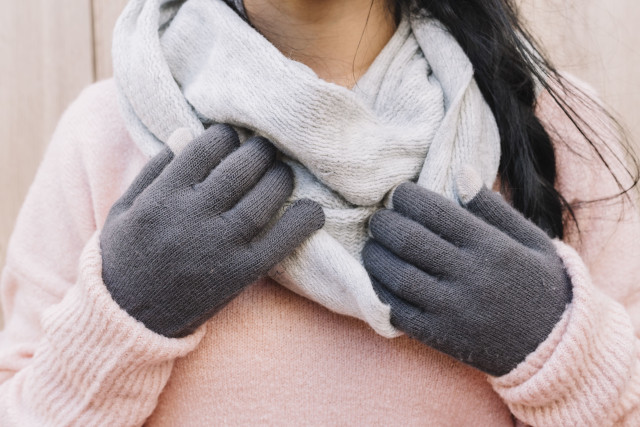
[{"x": 70, "y": 356}]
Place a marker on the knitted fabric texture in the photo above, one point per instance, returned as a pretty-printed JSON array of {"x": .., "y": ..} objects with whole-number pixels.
[{"x": 417, "y": 113}]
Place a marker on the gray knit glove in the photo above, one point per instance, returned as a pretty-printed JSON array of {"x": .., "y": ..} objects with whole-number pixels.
[
  {"x": 189, "y": 233},
  {"x": 480, "y": 282}
]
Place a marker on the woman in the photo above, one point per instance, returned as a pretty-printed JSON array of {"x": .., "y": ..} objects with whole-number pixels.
[{"x": 143, "y": 279}]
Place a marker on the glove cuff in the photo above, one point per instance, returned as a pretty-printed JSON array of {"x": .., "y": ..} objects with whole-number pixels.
[{"x": 580, "y": 370}]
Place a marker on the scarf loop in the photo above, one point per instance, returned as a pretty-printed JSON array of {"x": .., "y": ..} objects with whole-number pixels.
[{"x": 416, "y": 114}]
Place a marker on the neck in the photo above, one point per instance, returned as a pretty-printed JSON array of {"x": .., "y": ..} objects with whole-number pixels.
[{"x": 338, "y": 39}]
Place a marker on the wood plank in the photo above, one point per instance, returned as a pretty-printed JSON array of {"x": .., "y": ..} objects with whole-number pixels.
[
  {"x": 45, "y": 60},
  {"x": 105, "y": 14}
]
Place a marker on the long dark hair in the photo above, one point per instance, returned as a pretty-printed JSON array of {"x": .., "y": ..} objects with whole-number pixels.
[{"x": 508, "y": 64}]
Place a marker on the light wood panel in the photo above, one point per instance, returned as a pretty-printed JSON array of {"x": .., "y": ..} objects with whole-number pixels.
[
  {"x": 105, "y": 13},
  {"x": 45, "y": 60}
]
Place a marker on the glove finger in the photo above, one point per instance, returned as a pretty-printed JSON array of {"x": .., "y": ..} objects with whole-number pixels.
[
  {"x": 405, "y": 316},
  {"x": 414, "y": 243},
  {"x": 298, "y": 223},
  {"x": 254, "y": 211},
  {"x": 200, "y": 156},
  {"x": 407, "y": 281},
  {"x": 147, "y": 175},
  {"x": 439, "y": 214},
  {"x": 494, "y": 210},
  {"x": 237, "y": 174}
]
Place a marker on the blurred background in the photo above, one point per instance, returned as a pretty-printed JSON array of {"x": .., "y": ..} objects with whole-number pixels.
[{"x": 50, "y": 50}]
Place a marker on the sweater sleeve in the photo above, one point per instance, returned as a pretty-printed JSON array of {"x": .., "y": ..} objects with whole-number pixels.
[
  {"x": 68, "y": 354},
  {"x": 587, "y": 372}
]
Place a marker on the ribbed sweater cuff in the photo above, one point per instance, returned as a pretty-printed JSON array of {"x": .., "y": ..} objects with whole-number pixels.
[
  {"x": 586, "y": 372},
  {"x": 97, "y": 365}
]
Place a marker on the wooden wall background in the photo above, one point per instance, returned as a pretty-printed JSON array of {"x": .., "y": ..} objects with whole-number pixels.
[{"x": 50, "y": 50}]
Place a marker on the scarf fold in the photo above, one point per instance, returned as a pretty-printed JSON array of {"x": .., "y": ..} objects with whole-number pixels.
[{"x": 416, "y": 114}]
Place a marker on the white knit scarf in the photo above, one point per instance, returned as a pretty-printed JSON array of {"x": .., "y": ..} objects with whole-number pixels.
[{"x": 417, "y": 113}]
